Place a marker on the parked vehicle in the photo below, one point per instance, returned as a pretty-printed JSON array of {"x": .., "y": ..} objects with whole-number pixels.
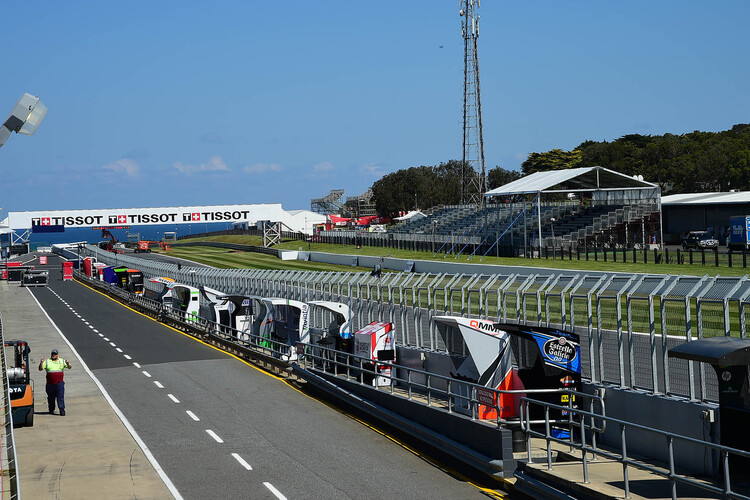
[
  {"x": 699, "y": 239},
  {"x": 739, "y": 237},
  {"x": 20, "y": 384}
]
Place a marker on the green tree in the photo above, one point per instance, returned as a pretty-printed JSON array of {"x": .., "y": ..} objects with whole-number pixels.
[
  {"x": 557, "y": 159},
  {"x": 499, "y": 176}
]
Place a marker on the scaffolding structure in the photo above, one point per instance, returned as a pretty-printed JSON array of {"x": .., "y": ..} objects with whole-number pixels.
[
  {"x": 362, "y": 205},
  {"x": 329, "y": 204}
]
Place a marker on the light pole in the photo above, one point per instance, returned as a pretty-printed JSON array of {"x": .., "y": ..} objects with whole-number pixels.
[
  {"x": 25, "y": 117},
  {"x": 552, "y": 220}
]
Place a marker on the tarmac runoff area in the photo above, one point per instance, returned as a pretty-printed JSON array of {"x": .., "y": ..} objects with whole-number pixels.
[{"x": 88, "y": 454}]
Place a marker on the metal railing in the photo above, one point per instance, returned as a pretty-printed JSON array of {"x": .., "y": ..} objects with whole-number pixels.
[
  {"x": 578, "y": 441},
  {"x": 9, "y": 460},
  {"x": 623, "y": 321}
]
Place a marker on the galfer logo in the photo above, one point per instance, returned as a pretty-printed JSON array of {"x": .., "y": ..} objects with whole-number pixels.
[{"x": 559, "y": 350}]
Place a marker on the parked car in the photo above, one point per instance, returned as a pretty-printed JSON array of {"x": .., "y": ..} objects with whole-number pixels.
[{"x": 699, "y": 239}]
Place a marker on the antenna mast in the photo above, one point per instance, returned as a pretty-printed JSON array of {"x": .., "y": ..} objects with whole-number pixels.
[{"x": 473, "y": 173}]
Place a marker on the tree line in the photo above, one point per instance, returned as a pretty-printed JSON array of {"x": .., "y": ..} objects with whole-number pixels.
[
  {"x": 428, "y": 186},
  {"x": 686, "y": 163}
]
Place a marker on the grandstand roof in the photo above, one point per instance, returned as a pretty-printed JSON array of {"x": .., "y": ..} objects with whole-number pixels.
[
  {"x": 573, "y": 179},
  {"x": 706, "y": 198}
]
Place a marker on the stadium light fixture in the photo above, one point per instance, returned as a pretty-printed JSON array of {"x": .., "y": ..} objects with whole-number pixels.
[{"x": 25, "y": 117}]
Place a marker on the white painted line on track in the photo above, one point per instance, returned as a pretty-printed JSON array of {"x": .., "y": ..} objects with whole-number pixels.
[
  {"x": 136, "y": 364},
  {"x": 85, "y": 322},
  {"x": 163, "y": 475},
  {"x": 92, "y": 327},
  {"x": 101, "y": 335},
  {"x": 273, "y": 490},
  {"x": 213, "y": 435},
  {"x": 118, "y": 350},
  {"x": 127, "y": 357},
  {"x": 146, "y": 373},
  {"x": 193, "y": 416},
  {"x": 96, "y": 331},
  {"x": 158, "y": 384},
  {"x": 171, "y": 396},
  {"x": 242, "y": 461},
  {"x": 113, "y": 344},
  {"x": 105, "y": 339}
]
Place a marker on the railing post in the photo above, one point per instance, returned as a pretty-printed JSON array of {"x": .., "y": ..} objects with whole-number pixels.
[{"x": 624, "y": 461}]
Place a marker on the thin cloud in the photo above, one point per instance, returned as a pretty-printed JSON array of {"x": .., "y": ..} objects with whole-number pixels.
[
  {"x": 124, "y": 166},
  {"x": 324, "y": 166},
  {"x": 262, "y": 168},
  {"x": 215, "y": 164},
  {"x": 371, "y": 170}
]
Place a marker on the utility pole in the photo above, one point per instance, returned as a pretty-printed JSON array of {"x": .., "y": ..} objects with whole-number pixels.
[{"x": 473, "y": 173}]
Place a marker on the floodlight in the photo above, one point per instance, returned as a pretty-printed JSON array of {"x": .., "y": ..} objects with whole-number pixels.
[{"x": 25, "y": 117}]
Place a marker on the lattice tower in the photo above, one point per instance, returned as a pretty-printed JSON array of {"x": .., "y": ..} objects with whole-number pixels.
[{"x": 474, "y": 175}]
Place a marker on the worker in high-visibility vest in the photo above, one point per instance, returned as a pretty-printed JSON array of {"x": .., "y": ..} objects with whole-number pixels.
[{"x": 55, "y": 387}]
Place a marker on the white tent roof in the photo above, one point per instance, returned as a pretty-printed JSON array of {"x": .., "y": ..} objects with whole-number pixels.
[
  {"x": 574, "y": 179},
  {"x": 706, "y": 198},
  {"x": 411, "y": 215}
]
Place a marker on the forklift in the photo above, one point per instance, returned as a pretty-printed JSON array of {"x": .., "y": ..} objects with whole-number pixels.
[{"x": 20, "y": 384}]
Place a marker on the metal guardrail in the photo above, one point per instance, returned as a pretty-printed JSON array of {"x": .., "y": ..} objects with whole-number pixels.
[
  {"x": 623, "y": 320},
  {"x": 8, "y": 460},
  {"x": 414, "y": 384},
  {"x": 668, "y": 472}
]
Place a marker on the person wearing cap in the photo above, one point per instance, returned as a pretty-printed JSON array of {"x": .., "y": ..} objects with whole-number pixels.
[{"x": 54, "y": 367}]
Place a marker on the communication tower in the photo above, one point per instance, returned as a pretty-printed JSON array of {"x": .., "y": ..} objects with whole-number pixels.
[{"x": 473, "y": 173}]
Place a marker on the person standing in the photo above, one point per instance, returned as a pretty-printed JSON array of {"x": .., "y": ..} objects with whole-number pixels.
[{"x": 55, "y": 387}]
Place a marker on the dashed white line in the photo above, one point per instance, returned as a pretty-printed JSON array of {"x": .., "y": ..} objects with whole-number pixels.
[
  {"x": 171, "y": 396},
  {"x": 101, "y": 335},
  {"x": 106, "y": 339},
  {"x": 85, "y": 322},
  {"x": 92, "y": 327},
  {"x": 127, "y": 357},
  {"x": 136, "y": 364},
  {"x": 118, "y": 350},
  {"x": 95, "y": 330},
  {"x": 158, "y": 384},
  {"x": 146, "y": 373},
  {"x": 193, "y": 415},
  {"x": 213, "y": 435},
  {"x": 273, "y": 490},
  {"x": 242, "y": 461},
  {"x": 113, "y": 344}
]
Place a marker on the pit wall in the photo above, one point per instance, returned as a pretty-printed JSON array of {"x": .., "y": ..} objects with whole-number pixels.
[{"x": 670, "y": 414}]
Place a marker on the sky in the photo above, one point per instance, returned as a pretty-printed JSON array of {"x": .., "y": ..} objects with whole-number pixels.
[{"x": 166, "y": 103}]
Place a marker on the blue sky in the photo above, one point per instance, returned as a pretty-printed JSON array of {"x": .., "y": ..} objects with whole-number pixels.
[{"x": 164, "y": 103}]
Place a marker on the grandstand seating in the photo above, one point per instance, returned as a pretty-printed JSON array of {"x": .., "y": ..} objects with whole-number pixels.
[{"x": 572, "y": 222}]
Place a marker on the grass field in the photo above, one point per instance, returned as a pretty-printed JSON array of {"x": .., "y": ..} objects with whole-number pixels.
[
  {"x": 695, "y": 269},
  {"x": 712, "y": 322}
]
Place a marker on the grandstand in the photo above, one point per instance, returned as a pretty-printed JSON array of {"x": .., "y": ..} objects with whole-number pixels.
[
  {"x": 329, "y": 204},
  {"x": 362, "y": 205},
  {"x": 559, "y": 209}
]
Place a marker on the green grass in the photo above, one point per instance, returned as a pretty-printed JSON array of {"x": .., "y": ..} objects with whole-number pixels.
[
  {"x": 232, "y": 259},
  {"x": 696, "y": 269},
  {"x": 675, "y": 322}
]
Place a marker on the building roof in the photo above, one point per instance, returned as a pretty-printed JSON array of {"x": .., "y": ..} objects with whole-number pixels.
[
  {"x": 574, "y": 179},
  {"x": 706, "y": 198}
]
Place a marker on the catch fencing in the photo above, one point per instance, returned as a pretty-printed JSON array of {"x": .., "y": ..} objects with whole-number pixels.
[{"x": 626, "y": 323}]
